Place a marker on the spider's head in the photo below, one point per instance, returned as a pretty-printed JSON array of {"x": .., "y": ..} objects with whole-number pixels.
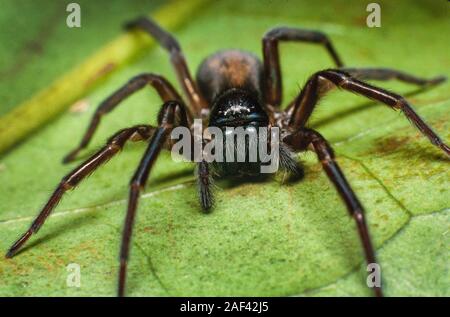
[
  {"x": 239, "y": 115},
  {"x": 237, "y": 108}
]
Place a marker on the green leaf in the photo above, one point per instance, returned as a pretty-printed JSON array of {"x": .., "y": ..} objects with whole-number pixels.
[
  {"x": 261, "y": 239},
  {"x": 58, "y": 95}
]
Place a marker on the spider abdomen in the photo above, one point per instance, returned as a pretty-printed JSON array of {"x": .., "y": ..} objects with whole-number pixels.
[{"x": 229, "y": 69}]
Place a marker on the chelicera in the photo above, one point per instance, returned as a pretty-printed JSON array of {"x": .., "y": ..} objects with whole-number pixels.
[{"x": 239, "y": 80}]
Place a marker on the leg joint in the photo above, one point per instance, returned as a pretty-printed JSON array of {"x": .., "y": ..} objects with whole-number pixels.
[
  {"x": 400, "y": 103},
  {"x": 136, "y": 185},
  {"x": 66, "y": 183}
]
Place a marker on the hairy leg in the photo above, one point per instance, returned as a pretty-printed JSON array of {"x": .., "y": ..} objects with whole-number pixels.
[
  {"x": 320, "y": 83},
  {"x": 305, "y": 138},
  {"x": 112, "y": 147},
  {"x": 272, "y": 69},
  {"x": 166, "y": 40},
  {"x": 204, "y": 180},
  {"x": 170, "y": 113},
  {"x": 161, "y": 85}
]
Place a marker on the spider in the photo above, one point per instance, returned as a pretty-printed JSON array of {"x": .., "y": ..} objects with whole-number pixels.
[{"x": 228, "y": 79}]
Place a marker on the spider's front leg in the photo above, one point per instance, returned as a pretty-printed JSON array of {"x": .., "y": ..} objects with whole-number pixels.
[
  {"x": 272, "y": 69},
  {"x": 320, "y": 83},
  {"x": 170, "y": 113},
  {"x": 113, "y": 146},
  {"x": 160, "y": 84},
  {"x": 300, "y": 141}
]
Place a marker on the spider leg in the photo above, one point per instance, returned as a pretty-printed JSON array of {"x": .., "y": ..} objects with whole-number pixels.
[
  {"x": 162, "y": 86},
  {"x": 272, "y": 69},
  {"x": 388, "y": 74},
  {"x": 320, "y": 83},
  {"x": 170, "y": 111},
  {"x": 383, "y": 74},
  {"x": 166, "y": 40},
  {"x": 112, "y": 147},
  {"x": 300, "y": 140},
  {"x": 204, "y": 179}
]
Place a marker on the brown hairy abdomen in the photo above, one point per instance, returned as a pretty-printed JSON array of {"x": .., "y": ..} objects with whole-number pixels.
[{"x": 229, "y": 69}]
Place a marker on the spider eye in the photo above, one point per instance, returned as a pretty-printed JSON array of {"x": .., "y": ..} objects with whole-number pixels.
[{"x": 236, "y": 107}]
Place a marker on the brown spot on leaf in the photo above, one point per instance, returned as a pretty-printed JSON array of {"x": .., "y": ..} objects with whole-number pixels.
[
  {"x": 418, "y": 101},
  {"x": 390, "y": 144},
  {"x": 440, "y": 125},
  {"x": 150, "y": 229},
  {"x": 360, "y": 20}
]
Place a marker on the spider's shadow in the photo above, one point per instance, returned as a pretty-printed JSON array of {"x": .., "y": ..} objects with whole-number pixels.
[
  {"x": 68, "y": 226},
  {"x": 229, "y": 182},
  {"x": 361, "y": 107},
  {"x": 84, "y": 219}
]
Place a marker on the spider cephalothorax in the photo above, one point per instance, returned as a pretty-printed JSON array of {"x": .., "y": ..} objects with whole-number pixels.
[
  {"x": 237, "y": 107},
  {"x": 234, "y": 89},
  {"x": 239, "y": 110}
]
